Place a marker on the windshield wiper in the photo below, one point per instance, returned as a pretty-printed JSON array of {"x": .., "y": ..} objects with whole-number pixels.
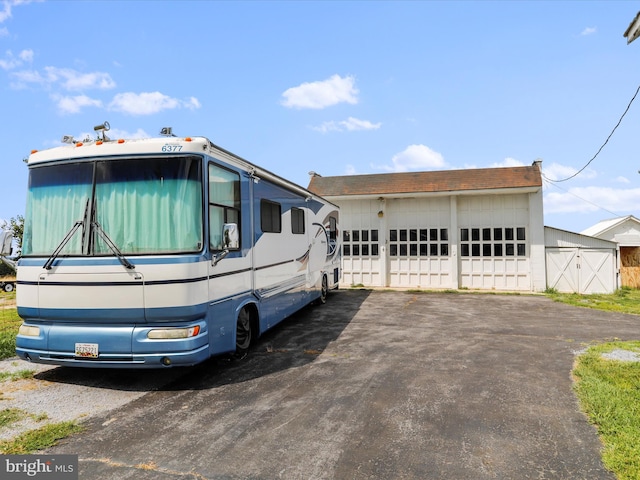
[
  {"x": 103, "y": 235},
  {"x": 65, "y": 240}
]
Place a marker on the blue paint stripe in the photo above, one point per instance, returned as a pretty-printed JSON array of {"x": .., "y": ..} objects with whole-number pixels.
[
  {"x": 138, "y": 283},
  {"x": 108, "y": 261},
  {"x": 188, "y": 313}
]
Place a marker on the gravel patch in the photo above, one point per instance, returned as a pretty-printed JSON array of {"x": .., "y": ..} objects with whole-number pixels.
[
  {"x": 622, "y": 355},
  {"x": 57, "y": 394},
  {"x": 618, "y": 354}
]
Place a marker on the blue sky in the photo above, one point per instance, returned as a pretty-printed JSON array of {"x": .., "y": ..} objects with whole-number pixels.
[{"x": 338, "y": 87}]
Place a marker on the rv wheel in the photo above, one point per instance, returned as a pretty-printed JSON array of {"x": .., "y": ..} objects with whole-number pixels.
[
  {"x": 8, "y": 287},
  {"x": 324, "y": 290},
  {"x": 243, "y": 332}
]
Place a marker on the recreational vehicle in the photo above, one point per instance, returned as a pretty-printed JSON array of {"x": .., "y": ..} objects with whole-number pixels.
[{"x": 163, "y": 252}]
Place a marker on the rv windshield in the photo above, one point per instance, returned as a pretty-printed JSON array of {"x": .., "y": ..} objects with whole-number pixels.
[{"x": 144, "y": 205}]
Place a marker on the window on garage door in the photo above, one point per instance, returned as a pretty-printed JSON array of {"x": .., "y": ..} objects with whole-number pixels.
[
  {"x": 493, "y": 242},
  {"x": 419, "y": 242},
  {"x": 360, "y": 243}
]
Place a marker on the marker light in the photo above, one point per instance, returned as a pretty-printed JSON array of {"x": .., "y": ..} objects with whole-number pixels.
[
  {"x": 121, "y": 140},
  {"x": 29, "y": 331},
  {"x": 169, "y": 333},
  {"x": 79, "y": 144},
  {"x": 188, "y": 139}
]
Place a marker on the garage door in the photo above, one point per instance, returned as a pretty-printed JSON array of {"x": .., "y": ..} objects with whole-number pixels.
[
  {"x": 419, "y": 249},
  {"x": 581, "y": 270}
]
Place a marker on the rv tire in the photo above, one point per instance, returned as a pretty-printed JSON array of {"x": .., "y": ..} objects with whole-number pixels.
[
  {"x": 8, "y": 287},
  {"x": 243, "y": 332},
  {"x": 324, "y": 290}
]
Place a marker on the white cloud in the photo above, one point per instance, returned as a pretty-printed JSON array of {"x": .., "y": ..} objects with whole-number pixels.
[
  {"x": 10, "y": 61},
  {"x": 592, "y": 199},
  {"x": 350, "y": 170},
  {"x": 4, "y": 32},
  {"x": 588, "y": 31},
  {"x": 414, "y": 157},
  {"x": 622, "y": 179},
  {"x": 27, "y": 76},
  {"x": 508, "y": 162},
  {"x": 322, "y": 94},
  {"x": 148, "y": 103},
  {"x": 555, "y": 172},
  {"x": 192, "y": 104},
  {"x": 351, "y": 124},
  {"x": 73, "y": 80},
  {"x": 145, "y": 103},
  {"x": 7, "y": 7},
  {"x": 6, "y": 11},
  {"x": 67, "y": 78},
  {"x": 119, "y": 133},
  {"x": 68, "y": 105},
  {"x": 26, "y": 55}
]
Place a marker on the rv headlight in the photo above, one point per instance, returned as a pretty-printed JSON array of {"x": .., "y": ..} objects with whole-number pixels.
[
  {"x": 29, "y": 331},
  {"x": 168, "y": 333}
]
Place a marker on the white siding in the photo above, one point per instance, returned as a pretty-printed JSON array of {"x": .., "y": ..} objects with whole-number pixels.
[{"x": 418, "y": 242}]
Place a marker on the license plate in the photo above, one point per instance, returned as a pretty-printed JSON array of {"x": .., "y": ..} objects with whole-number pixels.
[{"x": 87, "y": 350}]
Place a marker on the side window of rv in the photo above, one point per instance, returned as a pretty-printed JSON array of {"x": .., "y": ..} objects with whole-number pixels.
[
  {"x": 333, "y": 229},
  {"x": 270, "y": 217},
  {"x": 224, "y": 203},
  {"x": 297, "y": 220}
]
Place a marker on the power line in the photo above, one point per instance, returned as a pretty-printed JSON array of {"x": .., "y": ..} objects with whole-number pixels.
[
  {"x": 605, "y": 142},
  {"x": 584, "y": 199}
]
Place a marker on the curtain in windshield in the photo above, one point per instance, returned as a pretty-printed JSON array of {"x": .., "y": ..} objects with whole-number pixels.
[
  {"x": 56, "y": 199},
  {"x": 150, "y": 205}
]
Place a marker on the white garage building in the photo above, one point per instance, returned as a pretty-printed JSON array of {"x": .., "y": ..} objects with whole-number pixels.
[{"x": 474, "y": 228}]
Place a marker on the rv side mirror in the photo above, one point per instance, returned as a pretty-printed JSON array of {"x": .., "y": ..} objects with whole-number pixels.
[
  {"x": 230, "y": 237},
  {"x": 6, "y": 238}
]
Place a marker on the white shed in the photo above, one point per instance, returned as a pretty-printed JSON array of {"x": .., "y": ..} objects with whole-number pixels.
[{"x": 579, "y": 263}]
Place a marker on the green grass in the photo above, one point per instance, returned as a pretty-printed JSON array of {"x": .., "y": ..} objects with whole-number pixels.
[
  {"x": 9, "y": 324},
  {"x": 17, "y": 375},
  {"x": 39, "y": 439},
  {"x": 609, "y": 390},
  {"x": 625, "y": 300},
  {"x": 9, "y": 416},
  {"x": 609, "y": 394}
]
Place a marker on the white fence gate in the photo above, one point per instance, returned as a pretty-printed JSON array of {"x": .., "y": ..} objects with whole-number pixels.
[{"x": 581, "y": 270}]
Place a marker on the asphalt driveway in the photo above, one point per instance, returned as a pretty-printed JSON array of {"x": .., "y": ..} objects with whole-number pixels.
[{"x": 372, "y": 385}]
